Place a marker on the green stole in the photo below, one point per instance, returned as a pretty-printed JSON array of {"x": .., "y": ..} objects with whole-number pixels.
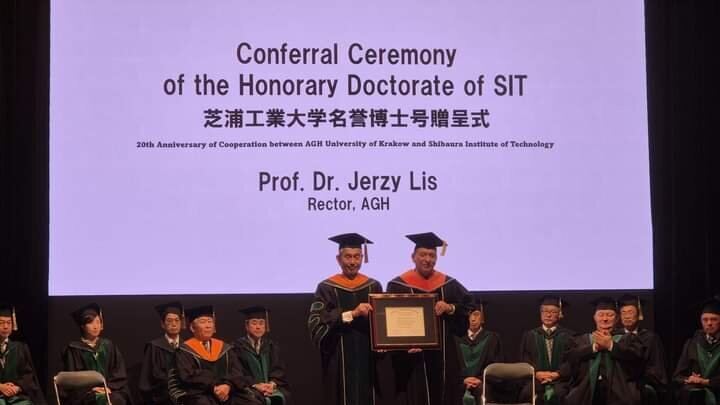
[
  {"x": 97, "y": 360},
  {"x": 471, "y": 357},
  {"x": 709, "y": 360},
  {"x": 355, "y": 356},
  {"x": 9, "y": 373},
  {"x": 595, "y": 364},
  {"x": 259, "y": 367},
  {"x": 545, "y": 364}
]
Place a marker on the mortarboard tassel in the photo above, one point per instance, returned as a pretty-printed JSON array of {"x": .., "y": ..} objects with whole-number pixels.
[
  {"x": 365, "y": 252},
  {"x": 640, "y": 311},
  {"x": 14, "y": 320},
  {"x": 443, "y": 249},
  {"x": 561, "y": 316},
  {"x": 183, "y": 320},
  {"x": 267, "y": 318}
]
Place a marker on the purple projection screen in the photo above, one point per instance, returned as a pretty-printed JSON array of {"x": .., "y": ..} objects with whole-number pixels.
[{"x": 213, "y": 147}]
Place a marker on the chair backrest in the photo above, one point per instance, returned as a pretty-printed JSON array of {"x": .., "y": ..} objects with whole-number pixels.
[
  {"x": 509, "y": 371},
  {"x": 75, "y": 380}
]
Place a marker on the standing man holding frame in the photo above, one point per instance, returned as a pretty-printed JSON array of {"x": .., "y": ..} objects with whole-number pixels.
[
  {"x": 339, "y": 326},
  {"x": 428, "y": 377}
]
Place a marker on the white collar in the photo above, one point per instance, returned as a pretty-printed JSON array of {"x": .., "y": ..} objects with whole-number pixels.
[
  {"x": 473, "y": 335},
  {"x": 171, "y": 340},
  {"x": 549, "y": 330}
]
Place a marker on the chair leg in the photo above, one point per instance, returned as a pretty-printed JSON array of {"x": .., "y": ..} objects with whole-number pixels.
[
  {"x": 107, "y": 395},
  {"x": 57, "y": 395}
]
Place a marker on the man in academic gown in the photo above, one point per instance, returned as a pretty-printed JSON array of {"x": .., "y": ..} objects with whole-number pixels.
[
  {"x": 18, "y": 380},
  {"x": 477, "y": 349},
  {"x": 93, "y": 352},
  {"x": 651, "y": 376},
  {"x": 159, "y": 355},
  {"x": 339, "y": 326},
  {"x": 260, "y": 358},
  {"x": 698, "y": 371},
  {"x": 544, "y": 348},
  {"x": 427, "y": 377},
  {"x": 208, "y": 371},
  {"x": 601, "y": 363}
]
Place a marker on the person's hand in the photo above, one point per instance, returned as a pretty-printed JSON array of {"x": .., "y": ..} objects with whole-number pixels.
[
  {"x": 603, "y": 340},
  {"x": 442, "y": 307},
  {"x": 472, "y": 382},
  {"x": 9, "y": 390},
  {"x": 222, "y": 392},
  {"x": 542, "y": 376},
  {"x": 415, "y": 350},
  {"x": 545, "y": 377},
  {"x": 264, "y": 388},
  {"x": 696, "y": 378},
  {"x": 268, "y": 389},
  {"x": 363, "y": 309}
]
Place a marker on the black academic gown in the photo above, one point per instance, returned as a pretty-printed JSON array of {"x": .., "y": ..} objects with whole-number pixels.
[
  {"x": 618, "y": 364},
  {"x": 698, "y": 356},
  {"x": 264, "y": 367},
  {"x": 17, "y": 367},
  {"x": 104, "y": 358},
  {"x": 474, "y": 355},
  {"x": 348, "y": 364},
  {"x": 153, "y": 384},
  {"x": 429, "y": 377},
  {"x": 651, "y": 375},
  {"x": 534, "y": 351},
  {"x": 198, "y": 373}
]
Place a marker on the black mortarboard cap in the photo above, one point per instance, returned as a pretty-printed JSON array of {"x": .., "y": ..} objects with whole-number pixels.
[
  {"x": 205, "y": 310},
  {"x": 170, "y": 308},
  {"x": 555, "y": 300},
  {"x": 82, "y": 313},
  {"x": 711, "y": 306},
  {"x": 257, "y": 312},
  {"x": 633, "y": 300},
  {"x": 8, "y": 310},
  {"x": 352, "y": 240},
  {"x": 479, "y": 305},
  {"x": 428, "y": 240},
  {"x": 604, "y": 303}
]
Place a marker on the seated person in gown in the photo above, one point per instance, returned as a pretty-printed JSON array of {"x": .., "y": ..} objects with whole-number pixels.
[
  {"x": 260, "y": 358},
  {"x": 18, "y": 380},
  {"x": 95, "y": 352},
  {"x": 207, "y": 369}
]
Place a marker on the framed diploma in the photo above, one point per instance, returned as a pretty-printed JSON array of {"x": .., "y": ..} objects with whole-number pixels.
[{"x": 404, "y": 321}]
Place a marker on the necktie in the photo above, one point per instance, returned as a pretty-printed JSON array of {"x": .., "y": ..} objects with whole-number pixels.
[
  {"x": 207, "y": 345},
  {"x": 549, "y": 347},
  {"x": 711, "y": 339},
  {"x": 3, "y": 349},
  {"x": 174, "y": 344}
]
